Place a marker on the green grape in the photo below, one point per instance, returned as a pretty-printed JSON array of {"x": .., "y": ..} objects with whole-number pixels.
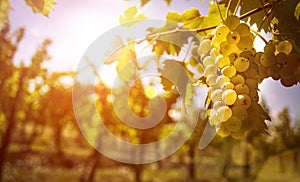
[
  {"x": 241, "y": 64},
  {"x": 233, "y": 37},
  {"x": 229, "y": 96},
  {"x": 245, "y": 43},
  {"x": 223, "y": 131},
  {"x": 281, "y": 59},
  {"x": 288, "y": 82},
  {"x": 251, "y": 72},
  {"x": 222, "y": 61},
  {"x": 241, "y": 89},
  {"x": 227, "y": 85},
  {"x": 243, "y": 100},
  {"x": 285, "y": 47},
  {"x": 216, "y": 41},
  {"x": 239, "y": 112},
  {"x": 208, "y": 60},
  {"x": 221, "y": 31},
  {"x": 233, "y": 56},
  {"x": 268, "y": 60},
  {"x": 269, "y": 48},
  {"x": 228, "y": 71},
  {"x": 257, "y": 57},
  {"x": 237, "y": 79},
  {"x": 211, "y": 80},
  {"x": 252, "y": 84},
  {"x": 262, "y": 72},
  {"x": 225, "y": 48},
  {"x": 204, "y": 47},
  {"x": 238, "y": 134},
  {"x": 248, "y": 54},
  {"x": 210, "y": 69},
  {"x": 254, "y": 96},
  {"x": 234, "y": 124},
  {"x": 243, "y": 29},
  {"x": 273, "y": 71},
  {"x": 213, "y": 118},
  {"x": 216, "y": 95},
  {"x": 286, "y": 72},
  {"x": 232, "y": 22},
  {"x": 217, "y": 104},
  {"x": 222, "y": 79},
  {"x": 214, "y": 52},
  {"x": 224, "y": 113}
]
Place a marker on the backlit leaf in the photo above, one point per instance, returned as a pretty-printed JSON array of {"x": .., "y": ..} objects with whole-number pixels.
[
  {"x": 130, "y": 17},
  {"x": 41, "y": 6}
]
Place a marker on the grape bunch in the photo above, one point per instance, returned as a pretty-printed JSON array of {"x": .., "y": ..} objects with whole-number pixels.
[
  {"x": 232, "y": 71},
  {"x": 278, "y": 61}
]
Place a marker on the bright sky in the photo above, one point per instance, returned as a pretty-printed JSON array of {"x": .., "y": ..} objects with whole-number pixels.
[{"x": 75, "y": 24}]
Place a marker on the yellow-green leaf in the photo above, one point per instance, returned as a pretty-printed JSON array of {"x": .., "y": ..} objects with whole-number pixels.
[
  {"x": 130, "y": 16},
  {"x": 41, "y": 6},
  {"x": 5, "y": 7}
]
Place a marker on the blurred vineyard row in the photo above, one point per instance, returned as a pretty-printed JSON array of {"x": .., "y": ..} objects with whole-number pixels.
[{"x": 41, "y": 141}]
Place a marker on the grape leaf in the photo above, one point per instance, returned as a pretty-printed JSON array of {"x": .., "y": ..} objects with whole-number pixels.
[
  {"x": 214, "y": 17},
  {"x": 126, "y": 58},
  {"x": 173, "y": 16},
  {"x": 297, "y": 11},
  {"x": 130, "y": 16},
  {"x": 170, "y": 43},
  {"x": 5, "y": 7},
  {"x": 174, "y": 74},
  {"x": 41, "y": 6}
]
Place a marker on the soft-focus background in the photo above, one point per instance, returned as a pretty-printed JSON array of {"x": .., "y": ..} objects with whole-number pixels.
[{"x": 37, "y": 66}]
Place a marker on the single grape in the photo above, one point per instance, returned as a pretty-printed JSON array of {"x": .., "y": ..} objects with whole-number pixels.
[
  {"x": 200, "y": 68},
  {"x": 233, "y": 37},
  {"x": 273, "y": 71},
  {"x": 285, "y": 47},
  {"x": 239, "y": 112},
  {"x": 214, "y": 52},
  {"x": 210, "y": 69},
  {"x": 227, "y": 85},
  {"x": 229, "y": 96},
  {"x": 228, "y": 71},
  {"x": 221, "y": 31},
  {"x": 269, "y": 48},
  {"x": 233, "y": 56},
  {"x": 251, "y": 72},
  {"x": 243, "y": 100},
  {"x": 222, "y": 61},
  {"x": 217, "y": 105},
  {"x": 208, "y": 60},
  {"x": 234, "y": 124},
  {"x": 286, "y": 72},
  {"x": 222, "y": 79},
  {"x": 238, "y": 134},
  {"x": 211, "y": 80},
  {"x": 223, "y": 131},
  {"x": 237, "y": 79},
  {"x": 217, "y": 95},
  {"x": 241, "y": 89},
  {"x": 224, "y": 113},
  {"x": 254, "y": 96},
  {"x": 241, "y": 64},
  {"x": 225, "y": 48},
  {"x": 204, "y": 47},
  {"x": 232, "y": 22},
  {"x": 245, "y": 43},
  {"x": 243, "y": 29},
  {"x": 288, "y": 82},
  {"x": 268, "y": 60},
  {"x": 216, "y": 41},
  {"x": 257, "y": 58},
  {"x": 213, "y": 118}
]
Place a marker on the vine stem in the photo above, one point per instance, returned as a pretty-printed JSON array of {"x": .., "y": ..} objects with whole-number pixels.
[
  {"x": 260, "y": 36},
  {"x": 155, "y": 36},
  {"x": 236, "y": 7},
  {"x": 228, "y": 7}
]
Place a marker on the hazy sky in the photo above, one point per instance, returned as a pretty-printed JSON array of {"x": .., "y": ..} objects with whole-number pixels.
[{"x": 75, "y": 24}]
